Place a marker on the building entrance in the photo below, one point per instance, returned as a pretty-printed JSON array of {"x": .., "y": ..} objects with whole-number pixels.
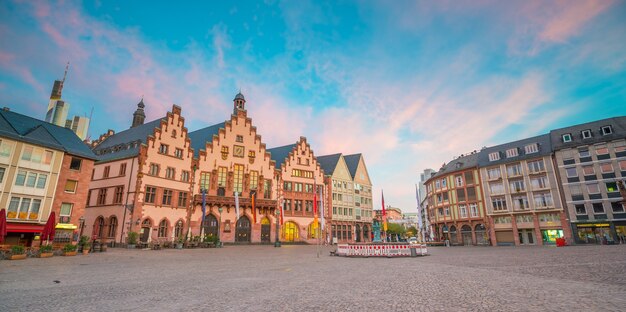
[
  {"x": 265, "y": 230},
  {"x": 242, "y": 232}
]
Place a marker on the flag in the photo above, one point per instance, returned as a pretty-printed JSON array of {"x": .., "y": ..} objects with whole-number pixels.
[
  {"x": 419, "y": 207},
  {"x": 322, "y": 207},
  {"x": 236, "y": 206},
  {"x": 315, "y": 205},
  {"x": 203, "y": 205},
  {"x": 253, "y": 198},
  {"x": 384, "y": 212},
  {"x": 282, "y": 211}
]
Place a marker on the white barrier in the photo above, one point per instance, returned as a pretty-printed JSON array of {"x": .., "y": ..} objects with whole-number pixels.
[{"x": 380, "y": 250}]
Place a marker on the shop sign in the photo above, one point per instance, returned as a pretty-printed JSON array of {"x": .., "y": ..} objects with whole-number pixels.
[{"x": 593, "y": 225}]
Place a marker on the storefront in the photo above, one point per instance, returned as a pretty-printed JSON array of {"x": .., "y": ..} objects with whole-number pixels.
[
  {"x": 593, "y": 233},
  {"x": 550, "y": 236},
  {"x": 620, "y": 231},
  {"x": 65, "y": 233},
  {"x": 22, "y": 233}
]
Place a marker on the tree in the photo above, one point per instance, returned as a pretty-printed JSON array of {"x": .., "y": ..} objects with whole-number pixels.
[
  {"x": 394, "y": 228},
  {"x": 411, "y": 231}
]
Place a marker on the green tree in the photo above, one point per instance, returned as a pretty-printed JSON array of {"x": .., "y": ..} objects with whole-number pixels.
[
  {"x": 411, "y": 231},
  {"x": 394, "y": 228}
]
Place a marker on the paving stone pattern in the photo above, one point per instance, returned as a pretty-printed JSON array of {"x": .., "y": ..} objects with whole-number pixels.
[{"x": 292, "y": 278}]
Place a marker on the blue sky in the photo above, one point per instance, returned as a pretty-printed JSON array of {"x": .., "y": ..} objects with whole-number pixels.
[{"x": 410, "y": 84}]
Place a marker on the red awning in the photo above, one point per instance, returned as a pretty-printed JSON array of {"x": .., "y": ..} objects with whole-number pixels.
[{"x": 23, "y": 227}]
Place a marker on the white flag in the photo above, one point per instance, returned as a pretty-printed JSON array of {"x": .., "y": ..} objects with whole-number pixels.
[
  {"x": 322, "y": 207},
  {"x": 237, "y": 205}
]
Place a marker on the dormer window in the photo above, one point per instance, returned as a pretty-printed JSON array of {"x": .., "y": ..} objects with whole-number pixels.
[
  {"x": 606, "y": 130},
  {"x": 494, "y": 156},
  {"x": 531, "y": 148},
  {"x": 567, "y": 138},
  {"x": 512, "y": 153},
  {"x": 163, "y": 149},
  {"x": 586, "y": 134}
]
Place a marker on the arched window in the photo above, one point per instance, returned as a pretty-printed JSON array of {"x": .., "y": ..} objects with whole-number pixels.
[
  {"x": 313, "y": 229},
  {"x": 178, "y": 229},
  {"x": 98, "y": 227},
  {"x": 163, "y": 228},
  {"x": 112, "y": 226},
  {"x": 174, "y": 133}
]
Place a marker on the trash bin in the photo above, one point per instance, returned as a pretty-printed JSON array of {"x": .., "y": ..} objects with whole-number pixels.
[{"x": 560, "y": 242}]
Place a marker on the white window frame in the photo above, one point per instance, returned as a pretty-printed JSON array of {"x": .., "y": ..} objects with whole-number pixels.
[
  {"x": 586, "y": 134},
  {"x": 512, "y": 152},
  {"x": 494, "y": 156},
  {"x": 567, "y": 137},
  {"x": 71, "y": 207},
  {"x": 463, "y": 211},
  {"x": 604, "y": 130},
  {"x": 473, "y": 210},
  {"x": 589, "y": 190},
  {"x": 531, "y": 148},
  {"x": 567, "y": 172}
]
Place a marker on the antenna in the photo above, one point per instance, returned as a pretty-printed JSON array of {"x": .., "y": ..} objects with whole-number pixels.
[{"x": 66, "y": 68}]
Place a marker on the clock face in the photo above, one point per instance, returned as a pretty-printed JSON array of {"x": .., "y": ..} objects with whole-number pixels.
[{"x": 238, "y": 151}]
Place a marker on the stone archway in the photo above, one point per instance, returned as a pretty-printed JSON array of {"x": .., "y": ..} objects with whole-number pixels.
[
  {"x": 243, "y": 230},
  {"x": 210, "y": 226},
  {"x": 466, "y": 233},
  {"x": 290, "y": 231},
  {"x": 266, "y": 227},
  {"x": 357, "y": 236}
]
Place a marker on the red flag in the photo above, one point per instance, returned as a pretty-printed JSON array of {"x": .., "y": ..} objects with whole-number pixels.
[
  {"x": 253, "y": 198},
  {"x": 315, "y": 204},
  {"x": 383, "y": 196}
]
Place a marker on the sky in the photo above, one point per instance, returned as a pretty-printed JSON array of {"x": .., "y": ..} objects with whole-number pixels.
[{"x": 409, "y": 84}]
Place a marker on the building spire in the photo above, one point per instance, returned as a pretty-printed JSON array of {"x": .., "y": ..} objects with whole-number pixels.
[
  {"x": 139, "y": 116},
  {"x": 67, "y": 67}
]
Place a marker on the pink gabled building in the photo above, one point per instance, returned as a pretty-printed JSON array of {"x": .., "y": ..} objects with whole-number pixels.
[{"x": 141, "y": 181}]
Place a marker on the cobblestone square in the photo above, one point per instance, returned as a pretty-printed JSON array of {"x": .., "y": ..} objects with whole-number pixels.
[{"x": 292, "y": 278}]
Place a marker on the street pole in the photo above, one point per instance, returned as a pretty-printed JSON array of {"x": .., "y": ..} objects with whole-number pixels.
[
  {"x": 277, "y": 241},
  {"x": 219, "y": 227}
]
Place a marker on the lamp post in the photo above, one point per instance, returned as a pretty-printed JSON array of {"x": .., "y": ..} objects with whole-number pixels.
[
  {"x": 81, "y": 222},
  {"x": 277, "y": 241},
  {"x": 219, "y": 228}
]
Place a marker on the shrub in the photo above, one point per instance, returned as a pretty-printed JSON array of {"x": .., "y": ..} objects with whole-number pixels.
[
  {"x": 17, "y": 250},
  {"x": 132, "y": 238},
  {"x": 69, "y": 248},
  {"x": 45, "y": 249},
  {"x": 83, "y": 240}
]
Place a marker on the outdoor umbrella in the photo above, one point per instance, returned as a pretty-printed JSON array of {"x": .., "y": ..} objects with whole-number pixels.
[
  {"x": 48, "y": 230},
  {"x": 3, "y": 225}
]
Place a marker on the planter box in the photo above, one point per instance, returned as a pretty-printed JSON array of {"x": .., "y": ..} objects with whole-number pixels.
[
  {"x": 46, "y": 255},
  {"x": 69, "y": 253},
  {"x": 18, "y": 257},
  {"x": 85, "y": 252}
]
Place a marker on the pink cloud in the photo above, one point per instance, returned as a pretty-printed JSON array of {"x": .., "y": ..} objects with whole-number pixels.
[{"x": 570, "y": 18}]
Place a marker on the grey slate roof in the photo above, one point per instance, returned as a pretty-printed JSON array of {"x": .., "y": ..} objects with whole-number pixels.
[
  {"x": 279, "y": 154},
  {"x": 618, "y": 125},
  {"x": 328, "y": 163},
  {"x": 38, "y": 132},
  {"x": 200, "y": 137},
  {"x": 352, "y": 161},
  {"x": 126, "y": 143},
  {"x": 543, "y": 142},
  {"x": 461, "y": 163}
]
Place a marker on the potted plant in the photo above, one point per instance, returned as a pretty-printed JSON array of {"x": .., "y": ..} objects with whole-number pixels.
[
  {"x": 179, "y": 242},
  {"x": 17, "y": 253},
  {"x": 45, "y": 251},
  {"x": 84, "y": 239},
  {"x": 86, "y": 248},
  {"x": 69, "y": 250},
  {"x": 131, "y": 240}
]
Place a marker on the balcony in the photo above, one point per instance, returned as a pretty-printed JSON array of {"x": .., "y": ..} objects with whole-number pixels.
[{"x": 221, "y": 201}]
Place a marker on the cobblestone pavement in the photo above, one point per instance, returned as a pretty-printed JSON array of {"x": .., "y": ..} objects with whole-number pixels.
[{"x": 292, "y": 278}]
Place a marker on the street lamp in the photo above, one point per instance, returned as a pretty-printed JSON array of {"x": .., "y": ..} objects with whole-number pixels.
[
  {"x": 277, "y": 241},
  {"x": 219, "y": 228},
  {"x": 81, "y": 222}
]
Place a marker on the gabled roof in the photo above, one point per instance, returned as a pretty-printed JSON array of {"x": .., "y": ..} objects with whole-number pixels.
[
  {"x": 543, "y": 144},
  {"x": 279, "y": 154},
  {"x": 329, "y": 163},
  {"x": 201, "y": 137},
  {"x": 126, "y": 143},
  {"x": 352, "y": 161},
  {"x": 38, "y": 132}
]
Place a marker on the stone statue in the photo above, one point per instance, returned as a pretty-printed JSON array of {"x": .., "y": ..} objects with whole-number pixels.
[{"x": 376, "y": 229}]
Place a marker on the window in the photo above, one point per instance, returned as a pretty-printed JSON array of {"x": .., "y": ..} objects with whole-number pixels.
[
  {"x": 182, "y": 199},
  {"x": 75, "y": 163},
  {"x": 498, "y": 203},
  {"x": 267, "y": 189},
  {"x": 606, "y": 130},
  {"x": 463, "y": 211},
  {"x": 586, "y": 134},
  {"x": 5, "y": 149},
  {"x": 28, "y": 153},
  {"x": 224, "y": 152},
  {"x": 205, "y": 178},
  {"x": 287, "y": 204},
  {"x": 102, "y": 196},
  {"x": 66, "y": 210},
  {"x": 107, "y": 169},
  {"x": 2, "y": 171},
  {"x": 536, "y": 166},
  {"x": 308, "y": 205},
  {"x": 593, "y": 188},
  {"x": 494, "y": 156},
  {"x": 184, "y": 176},
  {"x": 588, "y": 170},
  {"x": 571, "y": 172},
  {"x": 178, "y": 153},
  {"x": 514, "y": 170},
  {"x": 163, "y": 228},
  {"x": 575, "y": 190},
  {"x": 251, "y": 154},
  {"x": 20, "y": 178},
  {"x": 567, "y": 137},
  {"x": 471, "y": 193},
  {"x": 239, "y": 138},
  {"x": 459, "y": 180},
  {"x": 298, "y": 188},
  {"x": 539, "y": 182},
  {"x": 150, "y": 194},
  {"x": 531, "y": 148},
  {"x": 602, "y": 150},
  {"x": 298, "y": 205},
  {"x": 493, "y": 173},
  {"x": 617, "y": 207},
  {"x": 174, "y": 133},
  {"x": 543, "y": 200},
  {"x": 598, "y": 208},
  {"x": 163, "y": 149},
  {"x": 606, "y": 168},
  {"x": 221, "y": 176},
  {"x": 154, "y": 170},
  {"x": 437, "y": 184},
  {"x": 460, "y": 194},
  {"x": 496, "y": 188},
  {"x": 520, "y": 202},
  {"x": 443, "y": 182},
  {"x": 287, "y": 187},
  {"x": 24, "y": 208},
  {"x": 167, "y": 197},
  {"x": 446, "y": 211},
  {"x": 178, "y": 229},
  {"x": 517, "y": 186},
  {"x": 620, "y": 146},
  {"x": 513, "y": 152},
  {"x": 119, "y": 194},
  {"x": 122, "y": 169},
  {"x": 622, "y": 165},
  {"x": 580, "y": 209},
  {"x": 70, "y": 186},
  {"x": 611, "y": 187},
  {"x": 473, "y": 210},
  {"x": 238, "y": 178},
  {"x": 170, "y": 173},
  {"x": 112, "y": 227},
  {"x": 254, "y": 180},
  {"x": 584, "y": 153},
  {"x": 41, "y": 181},
  {"x": 31, "y": 179}
]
